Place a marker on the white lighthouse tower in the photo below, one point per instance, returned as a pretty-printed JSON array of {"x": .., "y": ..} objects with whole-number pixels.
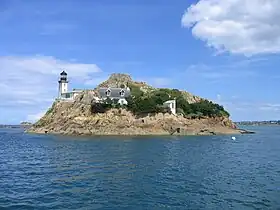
[{"x": 62, "y": 84}]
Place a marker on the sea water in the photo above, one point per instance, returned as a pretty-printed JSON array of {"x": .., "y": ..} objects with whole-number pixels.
[{"x": 207, "y": 172}]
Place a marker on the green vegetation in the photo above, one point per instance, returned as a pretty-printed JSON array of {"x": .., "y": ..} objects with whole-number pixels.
[
  {"x": 50, "y": 110},
  {"x": 145, "y": 105},
  {"x": 135, "y": 90},
  {"x": 152, "y": 102},
  {"x": 104, "y": 107}
]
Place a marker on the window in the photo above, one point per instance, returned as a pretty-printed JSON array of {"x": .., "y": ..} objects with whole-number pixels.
[
  {"x": 172, "y": 105},
  {"x": 108, "y": 92},
  {"x": 122, "y": 93}
]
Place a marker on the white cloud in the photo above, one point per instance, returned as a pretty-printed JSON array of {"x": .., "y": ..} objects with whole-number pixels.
[
  {"x": 32, "y": 81},
  {"x": 45, "y": 65},
  {"x": 95, "y": 81},
  {"x": 34, "y": 117},
  {"x": 219, "y": 97},
  {"x": 246, "y": 27},
  {"x": 245, "y": 109},
  {"x": 221, "y": 72},
  {"x": 270, "y": 107},
  {"x": 160, "y": 81},
  {"x": 157, "y": 82}
]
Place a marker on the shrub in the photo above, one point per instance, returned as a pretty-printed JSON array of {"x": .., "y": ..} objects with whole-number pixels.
[
  {"x": 50, "y": 110},
  {"x": 208, "y": 108},
  {"x": 99, "y": 108},
  {"x": 180, "y": 111},
  {"x": 105, "y": 106},
  {"x": 191, "y": 116},
  {"x": 108, "y": 101},
  {"x": 145, "y": 105},
  {"x": 116, "y": 105},
  {"x": 135, "y": 90},
  {"x": 162, "y": 109},
  {"x": 159, "y": 97}
]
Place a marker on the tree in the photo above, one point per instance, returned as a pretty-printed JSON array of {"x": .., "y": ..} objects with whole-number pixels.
[
  {"x": 183, "y": 104},
  {"x": 159, "y": 97},
  {"x": 135, "y": 90}
]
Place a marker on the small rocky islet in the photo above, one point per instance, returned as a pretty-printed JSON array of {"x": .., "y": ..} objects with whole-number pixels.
[{"x": 142, "y": 114}]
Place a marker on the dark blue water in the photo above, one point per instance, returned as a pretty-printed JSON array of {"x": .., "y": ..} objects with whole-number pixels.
[{"x": 51, "y": 172}]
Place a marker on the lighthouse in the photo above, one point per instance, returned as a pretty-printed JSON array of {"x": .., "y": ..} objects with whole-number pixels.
[{"x": 62, "y": 84}]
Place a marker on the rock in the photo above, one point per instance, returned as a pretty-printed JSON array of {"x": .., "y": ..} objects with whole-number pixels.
[
  {"x": 206, "y": 132},
  {"x": 78, "y": 120},
  {"x": 117, "y": 80},
  {"x": 242, "y": 131}
]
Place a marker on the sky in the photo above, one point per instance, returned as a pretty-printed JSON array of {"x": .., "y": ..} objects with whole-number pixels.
[{"x": 223, "y": 50}]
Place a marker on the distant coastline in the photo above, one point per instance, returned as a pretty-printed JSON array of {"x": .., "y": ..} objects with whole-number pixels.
[
  {"x": 22, "y": 125},
  {"x": 259, "y": 123},
  {"x": 10, "y": 126}
]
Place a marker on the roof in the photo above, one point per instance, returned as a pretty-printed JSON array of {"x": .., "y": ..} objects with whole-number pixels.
[
  {"x": 114, "y": 92},
  {"x": 169, "y": 102},
  {"x": 72, "y": 92},
  {"x": 77, "y": 90},
  {"x": 63, "y": 73}
]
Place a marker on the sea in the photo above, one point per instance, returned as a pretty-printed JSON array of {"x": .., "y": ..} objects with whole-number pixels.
[{"x": 194, "y": 172}]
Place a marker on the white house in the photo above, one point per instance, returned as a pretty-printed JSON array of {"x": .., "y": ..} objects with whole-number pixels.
[
  {"x": 172, "y": 105},
  {"x": 118, "y": 94}
]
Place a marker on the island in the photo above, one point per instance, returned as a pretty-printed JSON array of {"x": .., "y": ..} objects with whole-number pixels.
[{"x": 122, "y": 106}]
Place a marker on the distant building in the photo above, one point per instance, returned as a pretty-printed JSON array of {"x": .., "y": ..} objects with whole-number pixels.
[
  {"x": 172, "y": 105},
  {"x": 63, "y": 93}
]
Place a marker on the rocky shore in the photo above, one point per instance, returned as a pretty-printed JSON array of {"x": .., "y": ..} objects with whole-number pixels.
[{"x": 75, "y": 118}]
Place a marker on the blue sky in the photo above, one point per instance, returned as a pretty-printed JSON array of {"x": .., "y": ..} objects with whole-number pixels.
[{"x": 226, "y": 51}]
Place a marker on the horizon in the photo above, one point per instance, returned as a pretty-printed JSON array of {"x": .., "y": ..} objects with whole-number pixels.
[
  {"x": 222, "y": 51},
  {"x": 233, "y": 121}
]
